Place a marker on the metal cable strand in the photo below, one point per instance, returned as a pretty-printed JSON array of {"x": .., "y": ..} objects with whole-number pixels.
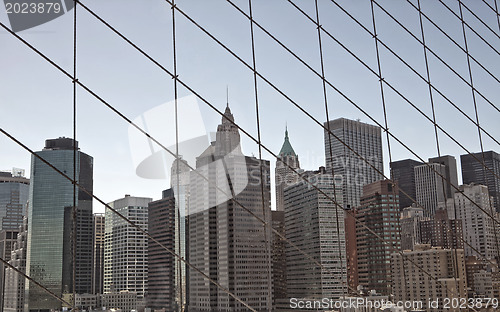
[
  {"x": 491, "y": 8},
  {"x": 131, "y": 223},
  {"x": 476, "y": 113},
  {"x": 379, "y": 67},
  {"x": 477, "y": 17},
  {"x": 498, "y": 15},
  {"x": 325, "y": 96},
  {"x": 74, "y": 212},
  {"x": 265, "y": 214},
  {"x": 363, "y": 63},
  {"x": 387, "y": 83},
  {"x": 472, "y": 29},
  {"x": 177, "y": 202},
  {"x": 459, "y": 46},
  {"x": 210, "y": 105},
  {"x": 431, "y": 98}
]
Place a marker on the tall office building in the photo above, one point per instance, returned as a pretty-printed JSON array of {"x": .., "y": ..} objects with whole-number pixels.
[
  {"x": 226, "y": 242},
  {"x": 278, "y": 250},
  {"x": 411, "y": 283},
  {"x": 450, "y": 173},
  {"x": 126, "y": 247},
  {"x": 315, "y": 224},
  {"x": 403, "y": 173},
  {"x": 14, "y": 189},
  {"x": 161, "y": 264},
  {"x": 474, "y": 172},
  {"x": 285, "y": 176},
  {"x": 15, "y": 282},
  {"x": 50, "y": 225},
  {"x": 379, "y": 211},
  {"x": 351, "y": 172},
  {"x": 98, "y": 254},
  {"x": 441, "y": 231},
  {"x": 479, "y": 230},
  {"x": 430, "y": 190}
]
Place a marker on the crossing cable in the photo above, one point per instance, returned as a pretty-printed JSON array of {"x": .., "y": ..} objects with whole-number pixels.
[
  {"x": 477, "y": 115},
  {"x": 131, "y": 223},
  {"x": 266, "y": 215},
  {"x": 438, "y": 57},
  {"x": 289, "y": 99},
  {"x": 180, "y": 282},
  {"x": 361, "y": 61},
  {"x": 457, "y": 44},
  {"x": 472, "y": 29},
  {"x": 166, "y": 149},
  {"x": 497, "y": 15},
  {"x": 495, "y": 9},
  {"x": 295, "y": 104},
  {"x": 382, "y": 96},
  {"x": 83, "y": 86},
  {"x": 325, "y": 95},
  {"x": 460, "y": 3},
  {"x": 220, "y": 113},
  {"x": 431, "y": 98},
  {"x": 74, "y": 212},
  {"x": 390, "y": 86}
]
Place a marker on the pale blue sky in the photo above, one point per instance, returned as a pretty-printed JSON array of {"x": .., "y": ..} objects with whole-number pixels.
[{"x": 36, "y": 99}]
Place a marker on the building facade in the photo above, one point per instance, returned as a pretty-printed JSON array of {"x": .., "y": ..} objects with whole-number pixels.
[
  {"x": 411, "y": 283},
  {"x": 50, "y": 224},
  {"x": 126, "y": 247},
  {"x": 411, "y": 218},
  {"x": 429, "y": 186},
  {"x": 226, "y": 242},
  {"x": 450, "y": 173},
  {"x": 161, "y": 264},
  {"x": 351, "y": 172},
  {"x": 98, "y": 254},
  {"x": 379, "y": 211},
  {"x": 474, "y": 172},
  {"x": 403, "y": 173},
  {"x": 315, "y": 224}
]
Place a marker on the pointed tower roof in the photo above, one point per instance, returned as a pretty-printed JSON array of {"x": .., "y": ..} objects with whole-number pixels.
[{"x": 287, "y": 149}]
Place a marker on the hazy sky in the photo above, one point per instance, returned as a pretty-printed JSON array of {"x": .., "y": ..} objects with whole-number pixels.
[{"x": 36, "y": 99}]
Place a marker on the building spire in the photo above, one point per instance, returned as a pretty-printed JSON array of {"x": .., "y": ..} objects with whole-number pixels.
[
  {"x": 286, "y": 149},
  {"x": 227, "y": 96}
]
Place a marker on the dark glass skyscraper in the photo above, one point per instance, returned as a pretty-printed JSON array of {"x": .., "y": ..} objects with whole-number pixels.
[
  {"x": 474, "y": 172},
  {"x": 50, "y": 225},
  {"x": 403, "y": 173}
]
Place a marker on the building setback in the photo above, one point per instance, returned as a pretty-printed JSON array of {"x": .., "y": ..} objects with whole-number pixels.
[
  {"x": 161, "y": 264},
  {"x": 125, "y": 247},
  {"x": 411, "y": 218},
  {"x": 379, "y": 211},
  {"x": 411, "y": 283},
  {"x": 315, "y": 224},
  {"x": 474, "y": 172},
  {"x": 50, "y": 225}
]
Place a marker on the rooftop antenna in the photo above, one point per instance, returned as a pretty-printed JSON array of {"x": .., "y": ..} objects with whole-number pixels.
[{"x": 227, "y": 96}]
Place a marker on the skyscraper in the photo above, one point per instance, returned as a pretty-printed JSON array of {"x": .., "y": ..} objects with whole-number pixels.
[
  {"x": 411, "y": 218},
  {"x": 226, "y": 242},
  {"x": 474, "y": 172},
  {"x": 403, "y": 173},
  {"x": 98, "y": 254},
  {"x": 379, "y": 211},
  {"x": 351, "y": 172},
  {"x": 430, "y": 190},
  {"x": 14, "y": 191},
  {"x": 315, "y": 224},
  {"x": 161, "y": 264},
  {"x": 50, "y": 225},
  {"x": 126, "y": 247},
  {"x": 285, "y": 176}
]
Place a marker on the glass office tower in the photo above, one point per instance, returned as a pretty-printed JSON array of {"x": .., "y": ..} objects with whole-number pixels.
[{"x": 50, "y": 225}]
